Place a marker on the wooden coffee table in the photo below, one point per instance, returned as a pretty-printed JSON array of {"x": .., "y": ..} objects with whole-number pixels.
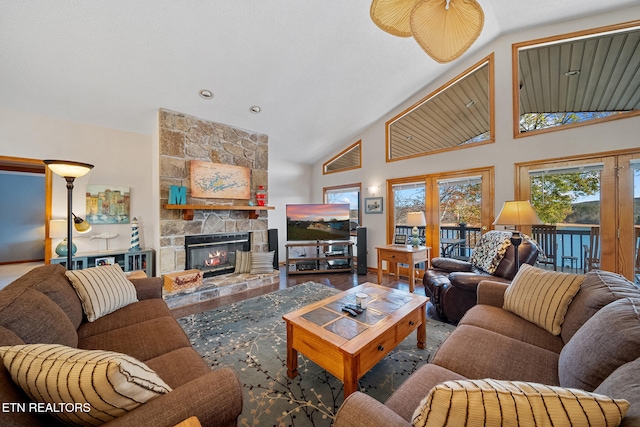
[{"x": 349, "y": 346}]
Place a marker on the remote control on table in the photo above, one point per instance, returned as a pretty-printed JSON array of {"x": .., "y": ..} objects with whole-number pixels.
[
  {"x": 355, "y": 308},
  {"x": 351, "y": 312}
]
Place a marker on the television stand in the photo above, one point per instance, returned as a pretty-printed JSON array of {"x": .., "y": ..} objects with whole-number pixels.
[{"x": 322, "y": 256}]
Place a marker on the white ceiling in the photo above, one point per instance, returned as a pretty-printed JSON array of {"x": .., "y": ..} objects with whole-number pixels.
[{"x": 321, "y": 70}]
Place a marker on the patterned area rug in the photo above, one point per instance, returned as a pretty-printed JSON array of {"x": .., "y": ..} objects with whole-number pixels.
[{"x": 250, "y": 337}]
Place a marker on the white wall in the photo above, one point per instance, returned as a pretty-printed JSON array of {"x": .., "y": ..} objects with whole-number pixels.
[
  {"x": 119, "y": 159},
  {"x": 125, "y": 159},
  {"x": 618, "y": 134},
  {"x": 289, "y": 183}
]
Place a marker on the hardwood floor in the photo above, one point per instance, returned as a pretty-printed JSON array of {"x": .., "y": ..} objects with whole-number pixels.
[{"x": 341, "y": 281}]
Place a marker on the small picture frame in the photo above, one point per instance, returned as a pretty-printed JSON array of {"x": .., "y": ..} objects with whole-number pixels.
[
  {"x": 400, "y": 239},
  {"x": 373, "y": 205}
]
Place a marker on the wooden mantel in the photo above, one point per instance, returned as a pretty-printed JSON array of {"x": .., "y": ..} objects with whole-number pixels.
[{"x": 187, "y": 210}]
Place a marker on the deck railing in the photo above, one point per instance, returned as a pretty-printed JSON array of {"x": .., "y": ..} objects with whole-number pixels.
[{"x": 571, "y": 242}]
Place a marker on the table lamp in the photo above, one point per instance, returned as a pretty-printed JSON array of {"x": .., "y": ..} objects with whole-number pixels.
[
  {"x": 69, "y": 171},
  {"x": 416, "y": 219},
  {"x": 517, "y": 213},
  {"x": 58, "y": 230}
]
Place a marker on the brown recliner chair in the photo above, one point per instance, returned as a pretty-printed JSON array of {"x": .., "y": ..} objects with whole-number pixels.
[{"x": 451, "y": 284}]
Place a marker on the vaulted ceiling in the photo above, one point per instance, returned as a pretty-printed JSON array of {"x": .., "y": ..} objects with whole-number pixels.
[{"x": 320, "y": 71}]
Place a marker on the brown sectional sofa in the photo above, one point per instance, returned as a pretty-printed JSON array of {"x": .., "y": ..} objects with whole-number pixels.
[
  {"x": 598, "y": 350},
  {"x": 42, "y": 307}
]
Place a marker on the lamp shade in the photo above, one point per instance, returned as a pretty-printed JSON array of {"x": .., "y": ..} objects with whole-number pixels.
[
  {"x": 416, "y": 219},
  {"x": 68, "y": 169},
  {"x": 517, "y": 212},
  {"x": 57, "y": 228}
]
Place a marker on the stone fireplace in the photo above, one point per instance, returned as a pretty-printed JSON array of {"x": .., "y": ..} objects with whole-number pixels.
[
  {"x": 214, "y": 254},
  {"x": 184, "y": 138}
]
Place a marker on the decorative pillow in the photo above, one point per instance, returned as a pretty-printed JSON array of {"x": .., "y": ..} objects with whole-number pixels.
[
  {"x": 243, "y": 262},
  {"x": 86, "y": 387},
  {"x": 102, "y": 290},
  {"x": 513, "y": 403},
  {"x": 262, "y": 262},
  {"x": 542, "y": 296},
  {"x": 490, "y": 250}
]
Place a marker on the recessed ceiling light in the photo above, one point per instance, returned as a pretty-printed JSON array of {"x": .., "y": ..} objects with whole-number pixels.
[
  {"x": 572, "y": 73},
  {"x": 206, "y": 94},
  {"x": 470, "y": 104},
  {"x": 409, "y": 138},
  {"x": 255, "y": 109}
]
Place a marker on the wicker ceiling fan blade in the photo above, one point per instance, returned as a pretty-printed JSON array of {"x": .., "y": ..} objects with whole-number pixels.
[
  {"x": 393, "y": 16},
  {"x": 445, "y": 34}
]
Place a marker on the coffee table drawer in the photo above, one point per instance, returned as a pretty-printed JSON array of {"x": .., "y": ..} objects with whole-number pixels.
[
  {"x": 373, "y": 352},
  {"x": 329, "y": 357},
  {"x": 409, "y": 323}
]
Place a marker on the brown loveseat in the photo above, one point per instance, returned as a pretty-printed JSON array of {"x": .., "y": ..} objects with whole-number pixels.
[
  {"x": 42, "y": 307},
  {"x": 597, "y": 350}
]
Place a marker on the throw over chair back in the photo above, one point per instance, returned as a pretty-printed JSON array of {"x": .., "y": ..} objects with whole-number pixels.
[{"x": 452, "y": 284}]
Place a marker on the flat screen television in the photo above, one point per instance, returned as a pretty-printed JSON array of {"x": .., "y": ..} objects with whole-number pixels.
[{"x": 307, "y": 222}]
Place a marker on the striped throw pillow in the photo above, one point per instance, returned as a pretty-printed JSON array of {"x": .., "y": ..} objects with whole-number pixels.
[
  {"x": 102, "y": 290},
  {"x": 262, "y": 262},
  {"x": 512, "y": 403},
  {"x": 243, "y": 262},
  {"x": 541, "y": 296},
  {"x": 86, "y": 387}
]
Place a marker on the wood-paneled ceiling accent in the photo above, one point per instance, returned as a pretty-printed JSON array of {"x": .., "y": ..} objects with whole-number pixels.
[
  {"x": 347, "y": 159},
  {"x": 454, "y": 116},
  {"x": 592, "y": 71},
  {"x": 599, "y": 73}
]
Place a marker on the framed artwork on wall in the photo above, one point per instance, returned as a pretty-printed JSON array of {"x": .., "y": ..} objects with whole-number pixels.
[
  {"x": 220, "y": 181},
  {"x": 373, "y": 205},
  {"x": 108, "y": 204}
]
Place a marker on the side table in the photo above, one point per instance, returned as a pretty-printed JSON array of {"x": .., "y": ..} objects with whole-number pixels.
[{"x": 403, "y": 254}]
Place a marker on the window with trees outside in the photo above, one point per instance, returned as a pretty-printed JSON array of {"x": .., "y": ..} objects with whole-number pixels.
[{"x": 350, "y": 194}]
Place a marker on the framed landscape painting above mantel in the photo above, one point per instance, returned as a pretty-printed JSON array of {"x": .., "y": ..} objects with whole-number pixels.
[{"x": 220, "y": 181}]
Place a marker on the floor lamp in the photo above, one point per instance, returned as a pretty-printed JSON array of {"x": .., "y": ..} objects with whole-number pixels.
[
  {"x": 69, "y": 171},
  {"x": 517, "y": 213}
]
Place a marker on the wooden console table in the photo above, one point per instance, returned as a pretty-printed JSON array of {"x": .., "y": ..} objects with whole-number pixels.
[{"x": 403, "y": 254}]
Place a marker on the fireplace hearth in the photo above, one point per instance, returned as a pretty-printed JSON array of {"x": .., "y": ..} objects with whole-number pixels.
[{"x": 215, "y": 254}]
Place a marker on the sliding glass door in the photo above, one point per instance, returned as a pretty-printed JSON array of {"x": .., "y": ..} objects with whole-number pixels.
[
  {"x": 629, "y": 216},
  {"x": 568, "y": 198},
  {"x": 459, "y": 215},
  {"x": 594, "y": 200},
  {"x": 458, "y": 207}
]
